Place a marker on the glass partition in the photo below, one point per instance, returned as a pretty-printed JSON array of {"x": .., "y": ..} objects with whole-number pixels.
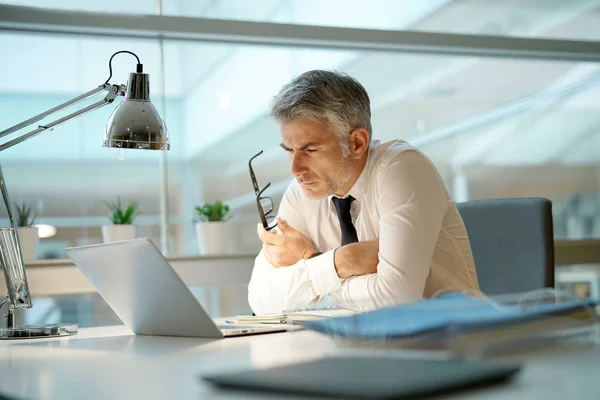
[
  {"x": 65, "y": 175},
  {"x": 494, "y": 127}
]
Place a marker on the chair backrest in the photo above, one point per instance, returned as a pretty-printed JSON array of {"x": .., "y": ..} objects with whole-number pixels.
[{"x": 512, "y": 243}]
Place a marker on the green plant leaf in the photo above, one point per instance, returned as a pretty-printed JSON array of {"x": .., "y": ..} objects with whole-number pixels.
[
  {"x": 25, "y": 216},
  {"x": 211, "y": 212},
  {"x": 122, "y": 216}
]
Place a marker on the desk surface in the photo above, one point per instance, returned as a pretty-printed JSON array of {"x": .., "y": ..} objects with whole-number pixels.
[{"x": 109, "y": 362}]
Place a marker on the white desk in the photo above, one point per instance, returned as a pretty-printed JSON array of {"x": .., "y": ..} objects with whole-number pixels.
[{"x": 110, "y": 363}]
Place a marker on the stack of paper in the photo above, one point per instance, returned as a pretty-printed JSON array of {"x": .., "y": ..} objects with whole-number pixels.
[
  {"x": 457, "y": 322},
  {"x": 294, "y": 316}
]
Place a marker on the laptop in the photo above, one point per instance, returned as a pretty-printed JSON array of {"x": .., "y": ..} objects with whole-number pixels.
[{"x": 142, "y": 288}]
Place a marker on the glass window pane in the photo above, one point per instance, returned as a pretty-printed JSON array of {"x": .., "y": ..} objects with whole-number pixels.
[
  {"x": 65, "y": 174},
  {"x": 548, "y": 149},
  {"x": 494, "y": 128},
  {"x": 477, "y": 118}
]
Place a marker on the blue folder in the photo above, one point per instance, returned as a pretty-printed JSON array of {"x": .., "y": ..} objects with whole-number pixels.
[{"x": 445, "y": 316}]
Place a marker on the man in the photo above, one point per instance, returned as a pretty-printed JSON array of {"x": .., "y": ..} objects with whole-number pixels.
[{"x": 368, "y": 224}]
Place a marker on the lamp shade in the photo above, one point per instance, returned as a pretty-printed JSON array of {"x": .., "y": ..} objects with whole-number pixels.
[{"x": 135, "y": 123}]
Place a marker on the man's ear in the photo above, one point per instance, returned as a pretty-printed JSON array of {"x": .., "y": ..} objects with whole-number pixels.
[{"x": 359, "y": 142}]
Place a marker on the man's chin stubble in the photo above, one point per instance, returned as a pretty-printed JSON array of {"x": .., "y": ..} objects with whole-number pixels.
[{"x": 314, "y": 195}]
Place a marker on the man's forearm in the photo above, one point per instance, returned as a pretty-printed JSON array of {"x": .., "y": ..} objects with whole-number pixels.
[{"x": 357, "y": 259}]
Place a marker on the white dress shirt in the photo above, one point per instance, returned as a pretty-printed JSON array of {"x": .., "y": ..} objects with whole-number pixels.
[{"x": 401, "y": 201}]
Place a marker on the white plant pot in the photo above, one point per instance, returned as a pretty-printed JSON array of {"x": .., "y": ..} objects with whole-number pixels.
[
  {"x": 116, "y": 233},
  {"x": 213, "y": 237},
  {"x": 28, "y": 236}
]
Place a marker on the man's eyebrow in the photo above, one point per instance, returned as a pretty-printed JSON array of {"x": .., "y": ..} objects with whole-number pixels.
[
  {"x": 306, "y": 146},
  {"x": 310, "y": 144}
]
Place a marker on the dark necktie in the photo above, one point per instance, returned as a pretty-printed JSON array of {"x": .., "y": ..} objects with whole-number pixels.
[{"x": 343, "y": 209}]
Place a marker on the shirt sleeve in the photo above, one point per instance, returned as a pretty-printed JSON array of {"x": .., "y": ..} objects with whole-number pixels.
[
  {"x": 271, "y": 289},
  {"x": 411, "y": 204}
]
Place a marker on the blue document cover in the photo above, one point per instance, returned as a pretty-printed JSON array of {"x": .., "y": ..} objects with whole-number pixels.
[{"x": 447, "y": 315}]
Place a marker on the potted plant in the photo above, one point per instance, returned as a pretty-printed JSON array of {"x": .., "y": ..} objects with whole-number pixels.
[
  {"x": 28, "y": 234},
  {"x": 122, "y": 217},
  {"x": 212, "y": 229}
]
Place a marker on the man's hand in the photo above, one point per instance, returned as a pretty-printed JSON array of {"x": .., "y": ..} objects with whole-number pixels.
[
  {"x": 356, "y": 259},
  {"x": 286, "y": 248}
]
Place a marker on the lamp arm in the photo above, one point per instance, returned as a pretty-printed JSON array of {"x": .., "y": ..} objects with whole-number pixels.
[
  {"x": 50, "y": 111},
  {"x": 113, "y": 92}
]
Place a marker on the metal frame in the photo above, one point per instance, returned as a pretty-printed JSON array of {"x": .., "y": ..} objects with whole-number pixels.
[{"x": 28, "y": 19}]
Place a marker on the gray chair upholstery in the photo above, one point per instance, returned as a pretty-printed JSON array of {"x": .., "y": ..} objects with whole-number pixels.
[{"x": 512, "y": 243}]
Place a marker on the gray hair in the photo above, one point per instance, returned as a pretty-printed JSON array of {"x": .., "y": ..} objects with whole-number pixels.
[{"x": 325, "y": 96}]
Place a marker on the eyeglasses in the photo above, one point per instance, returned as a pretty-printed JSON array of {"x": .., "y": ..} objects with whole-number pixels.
[{"x": 263, "y": 203}]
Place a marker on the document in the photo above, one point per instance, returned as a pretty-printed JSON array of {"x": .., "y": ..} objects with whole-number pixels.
[{"x": 295, "y": 316}]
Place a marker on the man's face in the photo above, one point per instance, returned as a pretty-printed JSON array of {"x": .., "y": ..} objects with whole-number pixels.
[{"x": 316, "y": 157}]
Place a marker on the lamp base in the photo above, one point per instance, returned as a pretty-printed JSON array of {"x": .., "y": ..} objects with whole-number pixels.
[{"x": 38, "y": 331}]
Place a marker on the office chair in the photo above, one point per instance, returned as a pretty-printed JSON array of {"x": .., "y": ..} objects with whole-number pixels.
[{"x": 512, "y": 243}]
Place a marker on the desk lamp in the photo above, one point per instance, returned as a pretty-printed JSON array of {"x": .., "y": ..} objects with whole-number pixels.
[{"x": 134, "y": 124}]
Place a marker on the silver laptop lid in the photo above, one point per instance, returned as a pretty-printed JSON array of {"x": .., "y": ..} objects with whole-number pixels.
[{"x": 142, "y": 288}]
